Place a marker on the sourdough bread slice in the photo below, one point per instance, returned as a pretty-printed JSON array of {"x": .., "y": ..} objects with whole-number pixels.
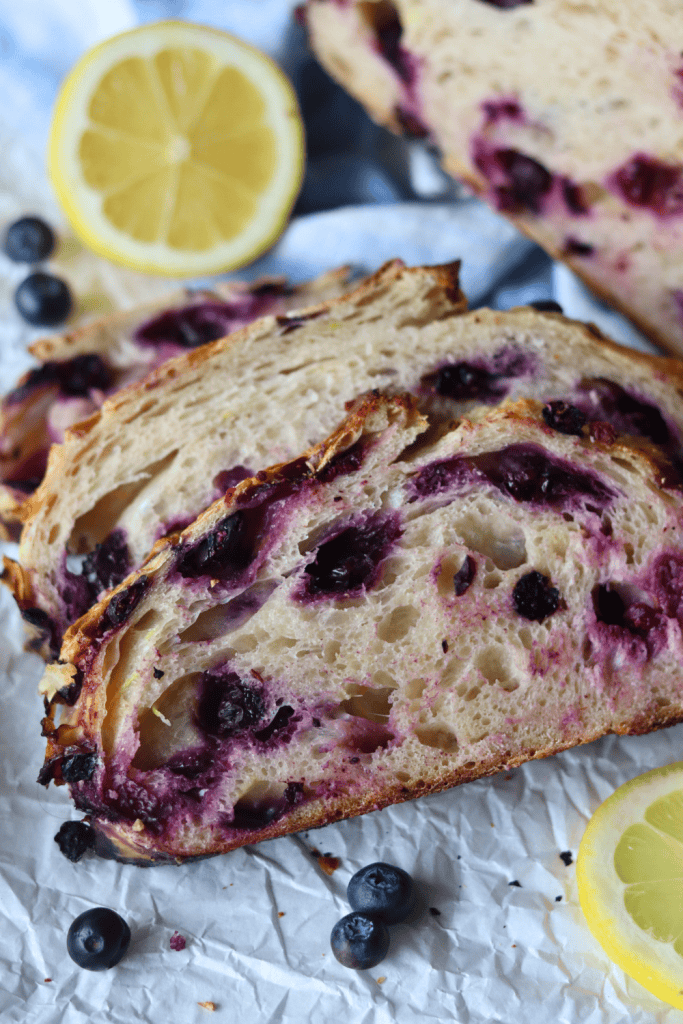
[
  {"x": 78, "y": 370},
  {"x": 386, "y": 616},
  {"x": 567, "y": 117},
  {"x": 161, "y": 451}
]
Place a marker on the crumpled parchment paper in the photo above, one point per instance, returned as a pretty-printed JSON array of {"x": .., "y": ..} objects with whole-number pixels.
[{"x": 257, "y": 921}]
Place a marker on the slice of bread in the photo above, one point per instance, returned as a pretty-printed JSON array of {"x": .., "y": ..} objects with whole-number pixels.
[
  {"x": 567, "y": 117},
  {"x": 78, "y": 370},
  {"x": 384, "y": 617},
  {"x": 158, "y": 453}
]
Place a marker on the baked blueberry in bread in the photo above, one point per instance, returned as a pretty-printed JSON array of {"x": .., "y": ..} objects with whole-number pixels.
[
  {"x": 158, "y": 453},
  {"x": 77, "y": 371},
  {"x": 397, "y": 611},
  {"x": 566, "y": 117}
]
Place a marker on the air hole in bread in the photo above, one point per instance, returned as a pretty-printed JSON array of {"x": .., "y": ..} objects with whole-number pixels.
[
  {"x": 245, "y": 643},
  {"x": 307, "y": 652},
  {"x": 224, "y": 618},
  {"x": 525, "y": 637},
  {"x": 118, "y": 666},
  {"x": 330, "y": 651},
  {"x": 93, "y": 526},
  {"x": 365, "y": 736},
  {"x": 492, "y": 578},
  {"x": 492, "y": 536},
  {"x": 147, "y": 621},
  {"x": 374, "y": 705},
  {"x": 441, "y": 739},
  {"x": 397, "y": 624},
  {"x": 382, "y": 678},
  {"x": 159, "y": 741},
  {"x": 415, "y": 688},
  {"x": 624, "y": 465},
  {"x": 262, "y": 804},
  {"x": 494, "y": 665},
  {"x": 447, "y": 572}
]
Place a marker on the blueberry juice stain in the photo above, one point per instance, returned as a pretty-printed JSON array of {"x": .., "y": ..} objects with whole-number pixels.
[
  {"x": 523, "y": 472},
  {"x": 480, "y": 380}
]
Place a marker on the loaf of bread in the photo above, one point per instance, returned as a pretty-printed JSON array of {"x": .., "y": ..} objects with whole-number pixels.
[
  {"x": 78, "y": 370},
  {"x": 395, "y": 612},
  {"x": 567, "y": 117},
  {"x": 158, "y": 453}
]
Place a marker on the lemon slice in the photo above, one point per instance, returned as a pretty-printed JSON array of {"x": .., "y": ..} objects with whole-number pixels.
[
  {"x": 630, "y": 878},
  {"x": 176, "y": 149}
]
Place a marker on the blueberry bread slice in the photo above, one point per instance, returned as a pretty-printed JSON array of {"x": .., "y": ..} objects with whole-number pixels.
[
  {"x": 158, "y": 453},
  {"x": 78, "y": 370},
  {"x": 393, "y": 613},
  {"x": 565, "y": 117}
]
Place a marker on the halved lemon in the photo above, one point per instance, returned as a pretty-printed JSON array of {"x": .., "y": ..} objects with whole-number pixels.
[
  {"x": 176, "y": 149},
  {"x": 630, "y": 879}
]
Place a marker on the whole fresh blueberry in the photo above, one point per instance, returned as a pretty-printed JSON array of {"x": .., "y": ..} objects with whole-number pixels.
[
  {"x": 360, "y": 941},
  {"x": 43, "y": 300},
  {"x": 98, "y": 939},
  {"x": 28, "y": 240},
  {"x": 383, "y": 890}
]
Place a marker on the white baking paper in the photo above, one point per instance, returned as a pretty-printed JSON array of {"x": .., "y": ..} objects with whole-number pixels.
[{"x": 257, "y": 921}]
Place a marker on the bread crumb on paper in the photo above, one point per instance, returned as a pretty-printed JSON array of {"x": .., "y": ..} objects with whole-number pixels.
[
  {"x": 207, "y": 1006},
  {"x": 380, "y": 981},
  {"x": 326, "y": 861}
]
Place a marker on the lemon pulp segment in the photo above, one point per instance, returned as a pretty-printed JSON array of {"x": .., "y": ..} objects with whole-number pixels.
[{"x": 176, "y": 148}]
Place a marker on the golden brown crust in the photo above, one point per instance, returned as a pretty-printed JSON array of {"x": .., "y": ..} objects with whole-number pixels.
[
  {"x": 118, "y": 842},
  {"x": 19, "y": 582}
]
